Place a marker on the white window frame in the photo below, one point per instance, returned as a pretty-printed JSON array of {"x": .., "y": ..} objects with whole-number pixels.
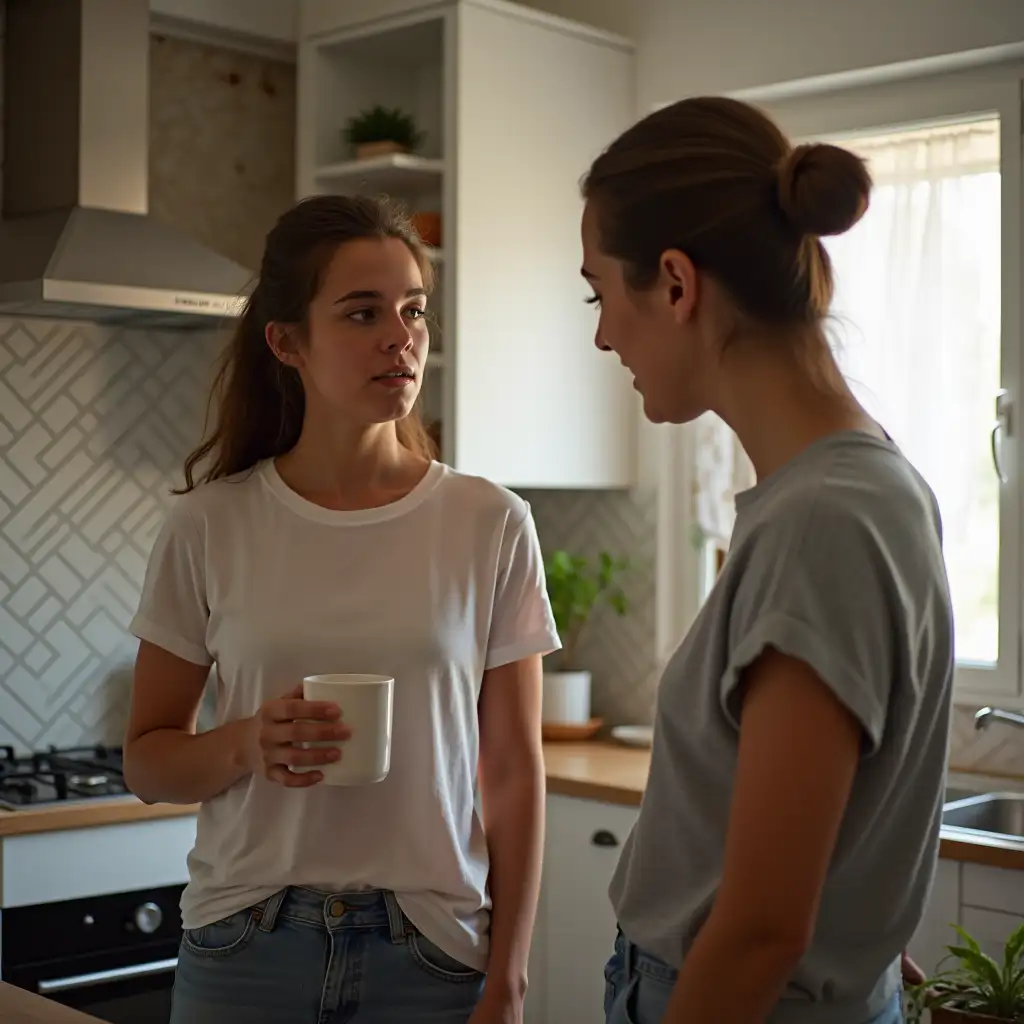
[{"x": 886, "y": 106}]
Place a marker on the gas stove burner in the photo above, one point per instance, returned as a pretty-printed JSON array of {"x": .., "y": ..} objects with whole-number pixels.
[
  {"x": 88, "y": 781},
  {"x": 59, "y": 775}
]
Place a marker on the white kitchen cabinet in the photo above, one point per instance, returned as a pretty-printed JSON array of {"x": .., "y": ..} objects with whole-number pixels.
[
  {"x": 987, "y": 902},
  {"x": 992, "y": 905},
  {"x": 584, "y": 841},
  {"x": 991, "y": 928},
  {"x": 935, "y": 932},
  {"x": 515, "y": 104},
  {"x": 993, "y": 889},
  {"x": 114, "y": 858}
]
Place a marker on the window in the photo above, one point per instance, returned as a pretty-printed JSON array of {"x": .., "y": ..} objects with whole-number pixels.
[
  {"x": 917, "y": 335},
  {"x": 926, "y": 325},
  {"x": 927, "y": 328}
]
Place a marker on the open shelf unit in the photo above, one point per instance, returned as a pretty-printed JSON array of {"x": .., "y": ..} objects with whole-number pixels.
[
  {"x": 398, "y": 63},
  {"x": 513, "y": 105}
]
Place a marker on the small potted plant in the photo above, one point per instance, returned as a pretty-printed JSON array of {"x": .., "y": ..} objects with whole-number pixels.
[
  {"x": 575, "y": 588},
  {"x": 379, "y": 131},
  {"x": 976, "y": 989}
]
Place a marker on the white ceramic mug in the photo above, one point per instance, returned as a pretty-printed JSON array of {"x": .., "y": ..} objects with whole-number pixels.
[{"x": 366, "y": 703}]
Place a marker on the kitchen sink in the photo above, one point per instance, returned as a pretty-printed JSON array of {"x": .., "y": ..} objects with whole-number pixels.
[
  {"x": 999, "y": 815},
  {"x": 953, "y": 794}
]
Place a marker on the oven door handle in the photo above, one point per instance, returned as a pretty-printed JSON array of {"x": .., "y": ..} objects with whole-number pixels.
[{"x": 52, "y": 986}]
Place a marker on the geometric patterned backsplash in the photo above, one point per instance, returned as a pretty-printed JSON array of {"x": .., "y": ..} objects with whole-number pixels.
[
  {"x": 619, "y": 652},
  {"x": 997, "y": 750},
  {"x": 94, "y": 425}
]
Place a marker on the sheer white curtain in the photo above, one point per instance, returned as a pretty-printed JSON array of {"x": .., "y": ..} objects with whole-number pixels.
[
  {"x": 721, "y": 470},
  {"x": 916, "y": 329}
]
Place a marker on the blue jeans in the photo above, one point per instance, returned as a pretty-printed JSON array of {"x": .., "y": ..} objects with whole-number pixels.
[
  {"x": 638, "y": 986},
  {"x": 308, "y": 957}
]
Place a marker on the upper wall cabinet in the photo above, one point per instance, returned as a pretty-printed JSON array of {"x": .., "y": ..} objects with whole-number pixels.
[{"x": 513, "y": 106}]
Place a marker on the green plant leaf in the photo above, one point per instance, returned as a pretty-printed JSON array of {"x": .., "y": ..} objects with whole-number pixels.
[
  {"x": 976, "y": 982},
  {"x": 575, "y": 587},
  {"x": 383, "y": 124}
]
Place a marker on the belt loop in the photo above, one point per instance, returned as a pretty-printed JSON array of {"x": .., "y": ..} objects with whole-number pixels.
[
  {"x": 268, "y": 910},
  {"x": 400, "y": 925},
  {"x": 630, "y": 960}
]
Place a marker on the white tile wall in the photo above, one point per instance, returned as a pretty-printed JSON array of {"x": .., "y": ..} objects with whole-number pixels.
[{"x": 94, "y": 425}]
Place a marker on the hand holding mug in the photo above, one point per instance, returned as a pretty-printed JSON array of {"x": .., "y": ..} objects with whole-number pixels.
[{"x": 282, "y": 724}]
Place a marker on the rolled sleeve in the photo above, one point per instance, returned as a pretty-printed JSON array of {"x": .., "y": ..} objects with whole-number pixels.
[{"x": 819, "y": 591}]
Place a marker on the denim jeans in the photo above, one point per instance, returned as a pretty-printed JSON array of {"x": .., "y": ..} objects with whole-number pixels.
[
  {"x": 309, "y": 957},
  {"x": 638, "y": 986}
]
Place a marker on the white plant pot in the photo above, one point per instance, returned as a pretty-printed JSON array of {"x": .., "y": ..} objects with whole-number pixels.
[{"x": 566, "y": 698}]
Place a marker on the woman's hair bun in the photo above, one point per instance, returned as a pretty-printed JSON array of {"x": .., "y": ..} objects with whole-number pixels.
[{"x": 823, "y": 190}]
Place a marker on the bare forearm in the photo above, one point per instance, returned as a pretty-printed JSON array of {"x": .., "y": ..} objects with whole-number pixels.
[
  {"x": 514, "y": 814},
  {"x": 732, "y": 975},
  {"x": 177, "y": 767}
]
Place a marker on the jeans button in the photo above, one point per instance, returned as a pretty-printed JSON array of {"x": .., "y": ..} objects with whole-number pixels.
[{"x": 336, "y": 909}]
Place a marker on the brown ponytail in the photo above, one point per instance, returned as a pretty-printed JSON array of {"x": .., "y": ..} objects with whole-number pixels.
[{"x": 257, "y": 403}]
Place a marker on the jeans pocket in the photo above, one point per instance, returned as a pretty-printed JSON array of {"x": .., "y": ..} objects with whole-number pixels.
[
  {"x": 620, "y": 999},
  {"x": 614, "y": 978},
  {"x": 435, "y": 961},
  {"x": 225, "y": 937}
]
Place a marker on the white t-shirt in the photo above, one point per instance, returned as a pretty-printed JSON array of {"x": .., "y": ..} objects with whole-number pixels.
[{"x": 432, "y": 589}]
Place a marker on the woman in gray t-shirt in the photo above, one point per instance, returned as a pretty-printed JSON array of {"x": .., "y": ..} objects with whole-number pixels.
[{"x": 789, "y": 831}]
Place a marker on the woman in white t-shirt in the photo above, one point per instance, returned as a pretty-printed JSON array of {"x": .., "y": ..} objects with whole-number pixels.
[{"x": 321, "y": 536}]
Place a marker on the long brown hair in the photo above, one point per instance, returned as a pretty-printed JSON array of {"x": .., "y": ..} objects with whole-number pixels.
[
  {"x": 718, "y": 180},
  {"x": 257, "y": 403}
]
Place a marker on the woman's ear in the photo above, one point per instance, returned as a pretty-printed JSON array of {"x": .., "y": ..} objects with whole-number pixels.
[
  {"x": 282, "y": 341},
  {"x": 678, "y": 281}
]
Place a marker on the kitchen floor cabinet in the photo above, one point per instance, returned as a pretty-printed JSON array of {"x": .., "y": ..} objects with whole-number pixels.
[
  {"x": 935, "y": 932},
  {"x": 576, "y": 927},
  {"x": 514, "y": 104},
  {"x": 582, "y": 847}
]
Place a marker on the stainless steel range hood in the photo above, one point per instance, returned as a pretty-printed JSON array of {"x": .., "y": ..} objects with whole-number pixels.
[{"x": 75, "y": 238}]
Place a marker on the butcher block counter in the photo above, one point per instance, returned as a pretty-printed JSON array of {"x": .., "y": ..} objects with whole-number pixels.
[
  {"x": 591, "y": 770},
  {"x": 618, "y": 775},
  {"x": 19, "y": 1007}
]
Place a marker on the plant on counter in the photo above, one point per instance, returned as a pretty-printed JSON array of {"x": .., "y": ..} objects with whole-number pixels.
[
  {"x": 574, "y": 590},
  {"x": 977, "y": 988},
  {"x": 378, "y": 130}
]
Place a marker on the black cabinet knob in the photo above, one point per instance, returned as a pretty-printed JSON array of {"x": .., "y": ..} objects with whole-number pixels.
[{"x": 602, "y": 837}]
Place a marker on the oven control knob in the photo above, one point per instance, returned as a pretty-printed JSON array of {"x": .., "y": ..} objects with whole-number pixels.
[{"x": 148, "y": 917}]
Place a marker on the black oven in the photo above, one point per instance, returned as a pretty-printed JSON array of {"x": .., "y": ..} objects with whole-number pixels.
[{"x": 109, "y": 956}]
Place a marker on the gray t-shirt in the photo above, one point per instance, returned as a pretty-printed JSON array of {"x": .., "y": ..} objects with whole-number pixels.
[{"x": 835, "y": 559}]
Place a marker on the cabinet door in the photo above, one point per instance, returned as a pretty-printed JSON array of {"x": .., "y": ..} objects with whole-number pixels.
[
  {"x": 534, "y": 1007},
  {"x": 584, "y": 841},
  {"x": 536, "y": 405},
  {"x": 993, "y": 889},
  {"x": 935, "y": 932},
  {"x": 991, "y": 929}
]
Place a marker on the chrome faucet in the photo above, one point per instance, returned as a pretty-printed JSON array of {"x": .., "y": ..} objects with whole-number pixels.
[{"x": 986, "y": 716}]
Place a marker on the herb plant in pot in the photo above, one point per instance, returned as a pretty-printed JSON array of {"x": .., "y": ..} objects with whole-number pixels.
[
  {"x": 972, "y": 987},
  {"x": 575, "y": 588},
  {"x": 378, "y": 131}
]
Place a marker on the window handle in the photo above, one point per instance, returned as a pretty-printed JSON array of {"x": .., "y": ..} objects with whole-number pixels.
[{"x": 1002, "y": 427}]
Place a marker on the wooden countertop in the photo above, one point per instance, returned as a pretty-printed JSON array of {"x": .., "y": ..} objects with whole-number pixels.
[
  {"x": 597, "y": 770},
  {"x": 20, "y": 1007},
  {"x": 592, "y": 770},
  {"x": 618, "y": 775},
  {"x": 84, "y": 815}
]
